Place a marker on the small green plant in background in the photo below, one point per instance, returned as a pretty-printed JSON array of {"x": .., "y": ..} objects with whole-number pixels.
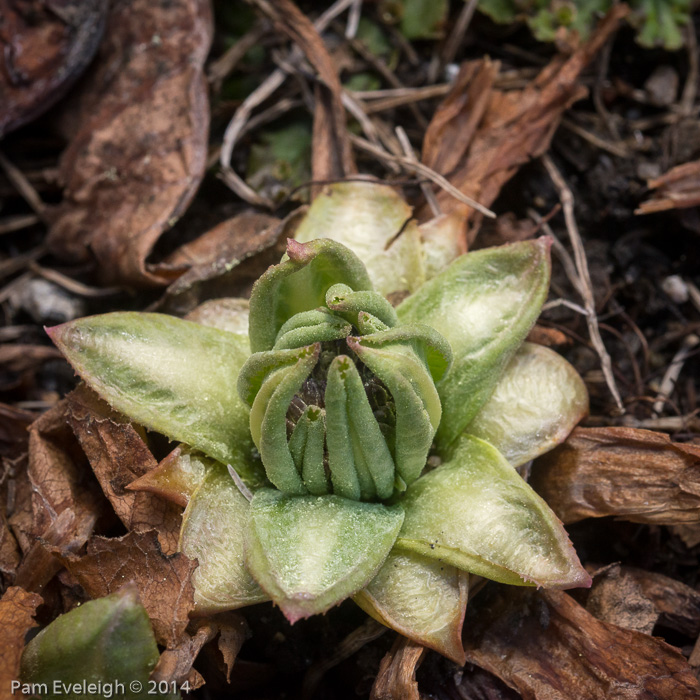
[
  {"x": 344, "y": 448},
  {"x": 658, "y": 23}
]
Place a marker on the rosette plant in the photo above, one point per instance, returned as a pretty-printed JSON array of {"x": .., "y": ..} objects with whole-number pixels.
[{"x": 344, "y": 447}]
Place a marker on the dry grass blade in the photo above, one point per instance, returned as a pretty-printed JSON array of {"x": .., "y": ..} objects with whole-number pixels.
[{"x": 420, "y": 169}]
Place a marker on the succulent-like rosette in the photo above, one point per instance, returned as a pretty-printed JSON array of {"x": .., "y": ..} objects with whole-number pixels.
[
  {"x": 342, "y": 394},
  {"x": 305, "y": 443}
]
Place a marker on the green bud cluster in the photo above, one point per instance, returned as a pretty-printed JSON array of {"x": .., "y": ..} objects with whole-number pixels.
[{"x": 343, "y": 396}]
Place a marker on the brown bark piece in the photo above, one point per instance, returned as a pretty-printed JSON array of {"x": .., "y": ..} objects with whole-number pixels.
[
  {"x": 163, "y": 581},
  {"x": 547, "y": 647},
  {"x": 679, "y": 188},
  {"x": 396, "y": 679},
  {"x": 618, "y": 598},
  {"x": 139, "y": 151},
  {"x": 637, "y": 475},
  {"x": 480, "y": 136},
  {"x": 44, "y": 52},
  {"x": 17, "y": 608},
  {"x": 118, "y": 456}
]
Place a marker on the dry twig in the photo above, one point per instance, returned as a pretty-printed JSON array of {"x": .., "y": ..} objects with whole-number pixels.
[{"x": 584, "y": 286}]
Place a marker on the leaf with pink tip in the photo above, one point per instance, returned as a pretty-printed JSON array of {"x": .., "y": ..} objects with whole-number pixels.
[
  {"x": 310, "y": 553},
  {"x": 376, "y": 224},
  {"x": 173, "y": 376},
  {"x": 476, "y": 513},
  {"x": 422, "y": 599}
]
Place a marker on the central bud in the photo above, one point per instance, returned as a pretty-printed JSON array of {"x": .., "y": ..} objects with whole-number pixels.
[{"x": 342, "y": 395}]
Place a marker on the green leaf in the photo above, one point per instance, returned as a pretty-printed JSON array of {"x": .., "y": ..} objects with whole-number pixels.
[
  {"x": 310, "y": 553},
  {"x": 536, "y": 404},
  {"x": 423, "y": 19},
  {"x": 300, "y": 284},
  {"x": 484, "y": 304},
  {"x": 422, "y": 599},
  {"x": 106, "y": 641},
  {"x": 213, "y": 532},
  {"x": 172, "y": 376},
  {"x": 659, "y": 22},
  {"x": 368, "y": 218},
  {"x": 476, "y": 513}
]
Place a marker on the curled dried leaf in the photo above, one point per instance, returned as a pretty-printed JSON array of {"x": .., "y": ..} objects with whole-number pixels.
[{"x": 633, "y": 474}]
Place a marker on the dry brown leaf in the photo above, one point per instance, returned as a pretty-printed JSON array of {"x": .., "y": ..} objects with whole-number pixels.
[
  {"x": 39, "y": 565},
  {"x": 14, "y": 435},
  {"x": 331, "y": 149},
  {"x": 9, "y": 551},
  {"x": 223, "y": 279},
  {"x": 218, "y": 251},
  {"x": 396, "y": 679},
  {"x": 547, "y": 647},
  {"x": 118, "y": 456},
  {"x": 175, "y": 665},
  {"x": 139, "y": 151},
  {"x": 17, "y": 495},
  {"x": 59, "y": 476},
  {"x": 44, "y": 52},
  {"x": 17, "y": 608},
  {"x": 679, "y": 188},
  {"x": 163, "y": 580},
  {"x": 637, "y": 475},
  {"x": 480, "y": 136}
]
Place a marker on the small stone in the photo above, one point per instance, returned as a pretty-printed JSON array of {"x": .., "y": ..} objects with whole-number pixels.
[
  {"x": 676, "y": 289},
  {"x": 662, "y": 86}
]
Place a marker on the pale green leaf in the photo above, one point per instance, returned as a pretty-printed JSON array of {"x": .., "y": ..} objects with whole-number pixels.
[
  {"x": 536, "y": 404},
  {"x": 310, "y": 553},
  {"x": 213, "y": 533},
  {"x": 422, "y": 599},
  {"x": 227, "y": 314},
  {"x": 106, "y": 641},
  {"x": 172, "y": 376},
  {"x": 368, "y": 218},
  {"x": 484, "y": 304},
  {"x": 476, "y": 513}
]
